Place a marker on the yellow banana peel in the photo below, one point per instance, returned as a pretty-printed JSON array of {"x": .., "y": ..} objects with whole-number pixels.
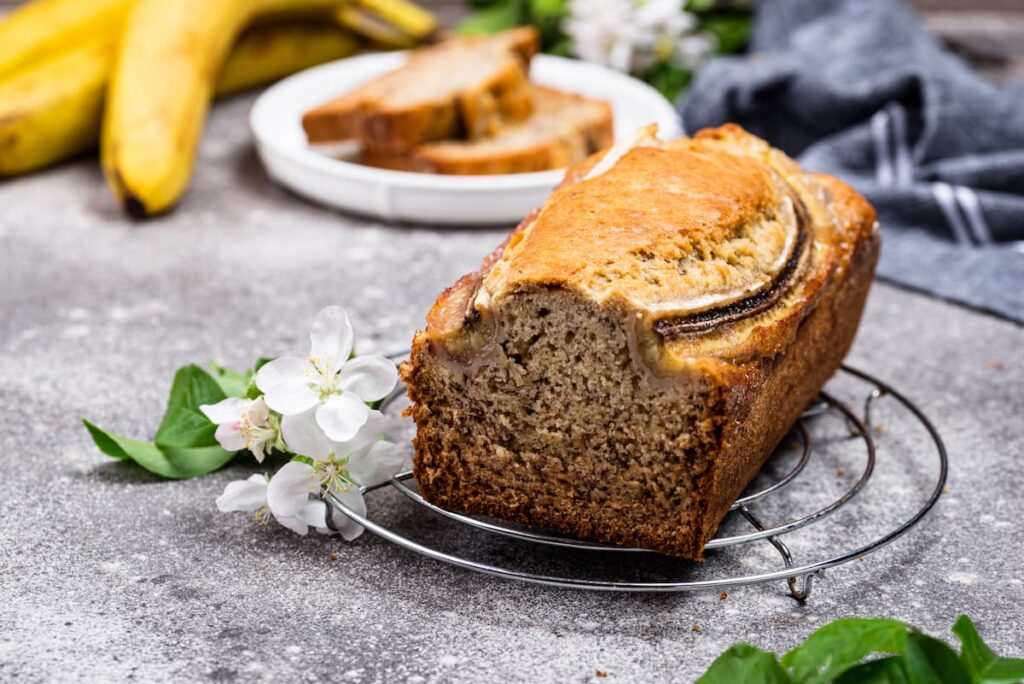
[
  {"x": 42, "y": 28},
  {"x": 52, "y": 110},
  {"x": 160, "y": 91},
  {"x": 268, "y": 53},
  {"x": 52, "y": 98},
  {"x": 373, "y": 27},
  {"x": 409, "y": 18}
]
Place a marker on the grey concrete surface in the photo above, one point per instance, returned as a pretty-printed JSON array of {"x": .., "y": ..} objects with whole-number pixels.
[{"x": 109, "y": 574}]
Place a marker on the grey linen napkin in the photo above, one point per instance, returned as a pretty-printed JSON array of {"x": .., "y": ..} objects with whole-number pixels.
[{"x": 860, "y": 90}]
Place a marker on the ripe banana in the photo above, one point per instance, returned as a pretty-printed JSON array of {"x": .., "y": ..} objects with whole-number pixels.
[
  {"x": 51, "y": 105},
  {"x": 160, "y": 90},
  {"x": 397, "y": 24},
  {"x": 52, "y": 109},
  {"x": 409, "y": 18},
  {"x": 268, "y": 53},
  {"x": 44, "y": 27}
]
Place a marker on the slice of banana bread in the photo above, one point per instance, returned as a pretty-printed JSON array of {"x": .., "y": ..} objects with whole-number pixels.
[
  {"x": 623, "y": 365},
  {"x": 563, "y": 129},
  {"x": 464, "y": 88}
]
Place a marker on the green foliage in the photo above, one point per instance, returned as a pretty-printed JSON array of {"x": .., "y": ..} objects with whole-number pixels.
[
  {"x": 847, "y": 652},
  {"x": 170, "y": 462},
  {"x": 745, "y": 663},
  {"x": 727, "y": 21},
  {"x": 888, "y": 670},
  {"x": 492, "y": 18},
  {"x": 839, "y": 645},
  {"x": 667, "y": 79},
  {"x": 233, "y": 383},
  {"x": 184, "y": 445},
  {"x": 730, "y": 29},
  {"x": 982, "y": 665},
  {"x": 930, "y": 661},
  {"x": 184, "y": 425}
]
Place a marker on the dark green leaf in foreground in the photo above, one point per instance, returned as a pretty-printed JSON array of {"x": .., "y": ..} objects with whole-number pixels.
[
  {"x": 931, "y": 661},
  {"x": 747, "y": 664},
  {"x": 847, "y": 652},
  {"x": 839, "y": 645},
  {"x": 170, "y": 462},
  {"x": 889, "y": 670},
  {"x": 981, "y": 663},
  {"x": 184, "y": 425}
]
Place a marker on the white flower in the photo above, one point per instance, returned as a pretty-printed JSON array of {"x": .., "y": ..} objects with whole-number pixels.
[
  {"x": 342, "y": 467},
  {"x": 293, "y": 484},
  {"x": 253, "y": 496},
  {"x": 327, "y": 381},
  {"x": 633, "y": 35},
  {"x": 244, "y": 424}
]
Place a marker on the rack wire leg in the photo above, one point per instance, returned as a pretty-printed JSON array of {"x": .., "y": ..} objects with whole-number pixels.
[{"x": 801, "y": 594}]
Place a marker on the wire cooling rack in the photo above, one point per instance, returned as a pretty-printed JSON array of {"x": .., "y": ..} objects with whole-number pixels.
[{"x": 799, "y": 577}]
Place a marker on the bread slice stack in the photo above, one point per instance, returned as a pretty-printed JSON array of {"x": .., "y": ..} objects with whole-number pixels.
[{"x": 465, "y": 106}]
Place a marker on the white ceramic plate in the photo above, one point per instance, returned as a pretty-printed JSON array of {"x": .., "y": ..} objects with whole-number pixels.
[{"x": 276, "y": 121}]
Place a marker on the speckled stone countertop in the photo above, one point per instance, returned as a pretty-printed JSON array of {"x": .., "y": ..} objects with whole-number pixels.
[{"x": 107, "y": 573}]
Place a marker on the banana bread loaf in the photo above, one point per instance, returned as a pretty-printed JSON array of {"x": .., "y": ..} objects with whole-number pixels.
[
  {"x": 623, "y": 365},
  {"x": 562, "y": 130},
  {"x": 464, "y": 88}
]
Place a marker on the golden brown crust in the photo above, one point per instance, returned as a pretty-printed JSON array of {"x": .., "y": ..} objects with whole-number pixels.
[
  {"x": 715, "y": 201},
  {"x": 384, "y": 117}
]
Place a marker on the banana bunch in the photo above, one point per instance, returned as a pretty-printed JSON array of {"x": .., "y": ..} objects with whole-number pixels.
[{"x": 136, "y": 77}]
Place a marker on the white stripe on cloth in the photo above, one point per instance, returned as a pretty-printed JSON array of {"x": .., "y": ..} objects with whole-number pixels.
[
  {"x": 971, "y": 207},
  {"x": 904, "y": 166},
  {"x": 884, "y": 172},
  {"x": 946, "y": 199}
]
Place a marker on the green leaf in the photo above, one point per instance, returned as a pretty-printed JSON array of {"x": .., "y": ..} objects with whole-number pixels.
[
  {"x": 841, "y": 644},
  {"x": 169, "y": 462},
  {"x": 547, "y": 9},
  {"x": 184, "y": 425},
  {"x": 931, "y": 661},
  {"x": 561, "y": 47},
  {"x": 260, "y": 363},
  {"x": 667, "y": 79},
  {"x": 889, "y": 670},
  {"x": 747, "y": 664},
  {"x": 730, "y": 29},
  {"x": 498, "y": 17},
  {"x": 981, "y": 663},
  {"x": 232, "y": 383},
  {"x": 699, "y": 5},
  {"x": 114, "y": 445}
]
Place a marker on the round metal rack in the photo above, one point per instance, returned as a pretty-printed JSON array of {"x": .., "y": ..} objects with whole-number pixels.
[{"x": 799, "y": 577}]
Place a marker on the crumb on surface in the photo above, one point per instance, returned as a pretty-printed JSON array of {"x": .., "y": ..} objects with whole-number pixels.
[
  {"x": 996, "y": 365},
  {"x": 724, "y": 595},
  {"x": 695, "y": 629},
  {"x": 600, "y": 673},
  {"x": 840, "y": 473}
]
